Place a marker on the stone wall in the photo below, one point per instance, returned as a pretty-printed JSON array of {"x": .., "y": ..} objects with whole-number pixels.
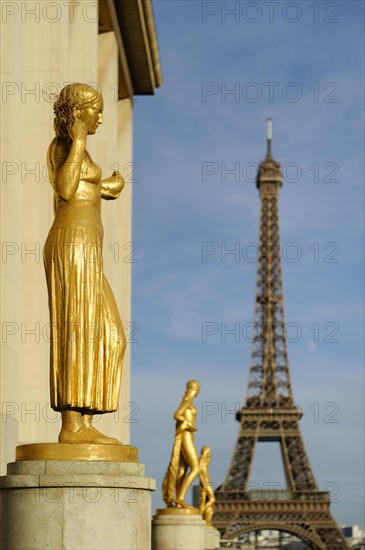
[{"x": 45, "y": 45}]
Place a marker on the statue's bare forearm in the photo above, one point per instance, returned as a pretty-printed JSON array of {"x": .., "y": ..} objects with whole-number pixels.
[{"x": 68, "y": 177}]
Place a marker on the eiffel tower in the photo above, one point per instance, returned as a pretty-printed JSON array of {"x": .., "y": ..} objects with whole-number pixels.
[{"x": 270, "y": 413}]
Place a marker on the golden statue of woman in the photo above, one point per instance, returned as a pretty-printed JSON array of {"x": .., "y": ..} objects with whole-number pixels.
[
  {"x": 184, "y": 463},
  {"x": 207, "y": 497},
  {"x": 87, "y": 340}
]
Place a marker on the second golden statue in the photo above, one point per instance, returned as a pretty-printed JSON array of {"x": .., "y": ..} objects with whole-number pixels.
[{"x": 184, "y": 463}]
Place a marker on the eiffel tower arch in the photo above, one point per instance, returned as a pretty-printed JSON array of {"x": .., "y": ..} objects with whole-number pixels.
[{"x": 270, "y": 413}]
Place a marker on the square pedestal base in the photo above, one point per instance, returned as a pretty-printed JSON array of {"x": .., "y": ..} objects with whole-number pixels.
[
  {"x": 49, "y": 504},
  {"x": 212, "y": 538},
  {"x": 178, "y": 532}
]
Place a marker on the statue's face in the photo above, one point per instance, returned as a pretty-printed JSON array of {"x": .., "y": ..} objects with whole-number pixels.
[
  {"x": 194, "y": 390},
  {"x": 92, "y": 116}
]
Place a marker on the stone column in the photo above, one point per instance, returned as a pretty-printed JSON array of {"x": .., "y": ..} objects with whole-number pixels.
[
  {"x": 178, "y": 529},
  {"x": 49, "y": 504},
  {"x": 113, "y": 151}
]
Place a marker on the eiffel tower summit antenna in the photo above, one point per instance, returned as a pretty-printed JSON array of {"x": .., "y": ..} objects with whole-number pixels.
[
  {"x": 270, "y": 413},
  {"x": 269, "y": 138}
]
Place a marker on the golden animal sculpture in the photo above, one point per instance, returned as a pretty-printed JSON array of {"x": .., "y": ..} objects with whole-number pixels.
[
  {"x": 184, "y": 463},
  {"x": 207, "y": 498},
  {"x": 87, "y": 340}
]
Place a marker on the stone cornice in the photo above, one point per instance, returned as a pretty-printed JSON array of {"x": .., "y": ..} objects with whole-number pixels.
[{"x": 139, "y": 60}]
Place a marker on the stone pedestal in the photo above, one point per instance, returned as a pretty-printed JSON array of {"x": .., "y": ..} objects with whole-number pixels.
[
  {"x": 212, "y": 538},
  {"x": 75, "y": 504},
  {"x": 178, "y": 529}
]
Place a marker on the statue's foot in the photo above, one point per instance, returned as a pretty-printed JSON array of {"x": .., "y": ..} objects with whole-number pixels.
[
  {"x": 86, "y": 435},
  {"x": 182, "y": 504},
  {"x": 101, "y": 438}
]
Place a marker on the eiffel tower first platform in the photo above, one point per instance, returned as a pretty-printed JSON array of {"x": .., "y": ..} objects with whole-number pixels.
[{"x": 270, "y": 413}]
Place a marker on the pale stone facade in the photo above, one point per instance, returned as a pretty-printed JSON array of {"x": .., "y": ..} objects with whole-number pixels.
[{"x": 45, "y": 45}]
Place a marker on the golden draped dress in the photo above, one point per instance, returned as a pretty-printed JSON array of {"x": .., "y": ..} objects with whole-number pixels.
[{"x": 87, "y": 337}]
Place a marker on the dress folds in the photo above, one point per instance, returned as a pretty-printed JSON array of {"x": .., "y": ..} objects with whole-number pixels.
[{"x": 87, "y": 337}]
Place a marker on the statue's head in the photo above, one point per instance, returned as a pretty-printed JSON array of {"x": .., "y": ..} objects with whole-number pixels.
[
  {"x": 193, "y": 387},
  {"x": 77, "y": 100},
  {"x": 205, "y": 450},
  {"x": 205, "y": 456}
]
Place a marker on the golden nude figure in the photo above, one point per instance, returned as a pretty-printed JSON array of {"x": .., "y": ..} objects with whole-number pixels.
[
  {"x": 184, "y": 463},
  {"x": 87, "y": 338}
]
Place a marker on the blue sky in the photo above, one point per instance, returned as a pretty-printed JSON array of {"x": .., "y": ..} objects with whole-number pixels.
[{"x": 319, "y": 140}]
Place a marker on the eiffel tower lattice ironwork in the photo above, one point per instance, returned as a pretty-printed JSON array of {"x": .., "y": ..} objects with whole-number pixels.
[{"x": 270, "y": 413}]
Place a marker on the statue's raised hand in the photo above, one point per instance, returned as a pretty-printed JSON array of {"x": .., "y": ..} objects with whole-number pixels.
[{"x": 78, "y": 130}]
